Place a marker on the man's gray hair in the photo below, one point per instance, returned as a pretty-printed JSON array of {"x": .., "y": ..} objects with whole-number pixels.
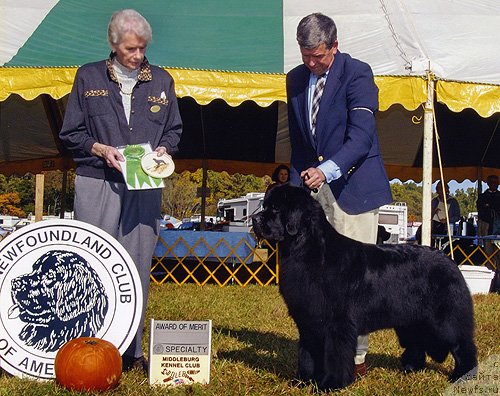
[
  {"x": 315, "y": 29},
  {"x": 128, "y": 21}
]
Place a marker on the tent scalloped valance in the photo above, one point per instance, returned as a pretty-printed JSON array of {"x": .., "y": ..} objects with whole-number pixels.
[
  {"x": 483, "y": 98},
  {"x": 236, "y": 87}
]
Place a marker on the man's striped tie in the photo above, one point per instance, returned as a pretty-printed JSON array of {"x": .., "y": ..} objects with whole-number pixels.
[{"x": 318, "y": 92}]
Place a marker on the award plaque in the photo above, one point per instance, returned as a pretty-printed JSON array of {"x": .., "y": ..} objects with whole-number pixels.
[{"x": 157, "y": 166}]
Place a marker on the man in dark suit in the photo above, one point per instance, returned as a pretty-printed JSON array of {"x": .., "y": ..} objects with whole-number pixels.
[
  {"x": 488, "y": 223},
  {"x": 335, "y": 150}
]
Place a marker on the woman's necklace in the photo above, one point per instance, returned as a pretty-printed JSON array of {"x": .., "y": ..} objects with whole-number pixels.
[{"x": 124, "y": 92}]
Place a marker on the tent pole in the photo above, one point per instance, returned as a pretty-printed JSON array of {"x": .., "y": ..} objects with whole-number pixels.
[
  {"x": 64, "y": 189},
  {"x": 39, "y": 189},
  {"x": 203, "y": 223},
  {"x": 479, "y": 187},
  {"x": 427, "y": 162},
  {"x": 204, "y": 174}
]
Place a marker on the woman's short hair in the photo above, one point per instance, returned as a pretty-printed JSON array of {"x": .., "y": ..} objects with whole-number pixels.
[
  {"x": 276, "y": 172},
  {"x": 128, "y": 21}
]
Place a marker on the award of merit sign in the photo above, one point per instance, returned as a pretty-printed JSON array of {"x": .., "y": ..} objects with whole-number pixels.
[{"x": 179, "y": 352}]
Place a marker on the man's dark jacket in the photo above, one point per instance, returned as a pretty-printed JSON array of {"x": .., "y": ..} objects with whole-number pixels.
[{"x": 345, "y": 133}]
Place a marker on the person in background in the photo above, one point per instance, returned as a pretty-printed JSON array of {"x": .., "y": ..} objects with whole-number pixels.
[
  {"x": 488, "y": 206},
  {"x": 439, "y": 219},
  {"x": 332, "y": 100},
  {"x": 488, "y": 214},
  {"x": 438, "y": 216},
  {"x": 280, "y": 176},
  {"x": 121, "y": 101}
]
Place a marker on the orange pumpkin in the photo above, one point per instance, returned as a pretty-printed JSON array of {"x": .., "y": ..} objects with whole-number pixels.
[{"x": 88, "y": 364}]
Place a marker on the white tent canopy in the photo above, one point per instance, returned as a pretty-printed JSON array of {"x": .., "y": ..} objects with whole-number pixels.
[{"x": 453, "y": 39}]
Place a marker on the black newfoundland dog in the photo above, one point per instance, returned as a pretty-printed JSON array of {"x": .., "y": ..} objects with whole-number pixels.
[{"x": 337, "y": 288}]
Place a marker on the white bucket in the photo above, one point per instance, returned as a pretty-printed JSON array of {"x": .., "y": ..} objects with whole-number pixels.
[{"x": 478, "y": 279}]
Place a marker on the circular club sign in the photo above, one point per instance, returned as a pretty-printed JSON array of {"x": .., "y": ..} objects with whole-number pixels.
[{"x": 59, "y": 280}]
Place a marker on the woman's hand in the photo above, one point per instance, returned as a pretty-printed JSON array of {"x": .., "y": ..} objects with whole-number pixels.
[
  {"x": 110, "y": 154},
  {"x": 160, "y": 150}
]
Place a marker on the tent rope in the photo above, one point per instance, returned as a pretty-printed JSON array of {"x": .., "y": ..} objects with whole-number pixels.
[
  {"x": 395, "y": 36},
  {"x": 441, "y": 176}
]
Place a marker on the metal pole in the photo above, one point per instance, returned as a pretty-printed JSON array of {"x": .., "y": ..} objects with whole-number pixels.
[{"x": 427, "y": 162}]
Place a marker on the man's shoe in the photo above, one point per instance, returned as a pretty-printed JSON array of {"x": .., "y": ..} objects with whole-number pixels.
[
  {"x": 359, "y": 370},
  {"x": 134, "y": 363}
]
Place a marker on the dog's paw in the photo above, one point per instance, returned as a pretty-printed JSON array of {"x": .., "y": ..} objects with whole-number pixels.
[
  {"x": 409, "y": 368},
  {"x": 458, "y": 375},
  {"x": 412, "y": 360},
  {"x": 413, "y": 367}
]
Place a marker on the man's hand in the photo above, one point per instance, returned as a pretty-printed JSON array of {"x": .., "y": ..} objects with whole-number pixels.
[
  {"x": 110, "y": 154},
  {"x": 313, "y": 178}
]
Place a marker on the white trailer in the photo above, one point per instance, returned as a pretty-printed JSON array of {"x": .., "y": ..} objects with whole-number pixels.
[
  {"x": 394, "y": 218},
  {"x": 237, "y": 211},
  {"x": 7, "y": 221}
]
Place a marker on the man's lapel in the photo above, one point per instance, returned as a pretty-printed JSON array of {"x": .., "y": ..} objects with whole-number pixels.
[
  {"x": 302, "y": 106},
  {"x": 332, "y": 86}
]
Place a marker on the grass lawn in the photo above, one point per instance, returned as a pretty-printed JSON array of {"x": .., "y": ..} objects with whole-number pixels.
[{"x": 254, "y": 349}]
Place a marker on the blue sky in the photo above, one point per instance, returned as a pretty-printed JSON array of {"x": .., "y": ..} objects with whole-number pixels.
[
  {"x": 454, "y": 185},
  {"x": 462, "y": 186}
]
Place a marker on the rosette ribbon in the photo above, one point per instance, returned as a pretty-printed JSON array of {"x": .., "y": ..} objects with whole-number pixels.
[{"x": 133, "y": 155}]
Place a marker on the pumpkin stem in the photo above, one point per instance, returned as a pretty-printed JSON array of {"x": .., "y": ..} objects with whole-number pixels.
[{"x": 91, "y": 342}]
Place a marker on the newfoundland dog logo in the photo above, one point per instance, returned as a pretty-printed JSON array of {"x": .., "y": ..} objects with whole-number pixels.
[{"x": 61, "y": 299}]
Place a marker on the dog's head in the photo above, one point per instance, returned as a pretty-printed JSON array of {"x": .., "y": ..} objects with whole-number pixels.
[
  {"x": 288, "y": 213},
  {"x": 62, "y": 289}
]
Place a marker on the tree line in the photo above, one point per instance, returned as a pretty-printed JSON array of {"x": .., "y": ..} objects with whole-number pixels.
[{"x": 181, "y": 198}]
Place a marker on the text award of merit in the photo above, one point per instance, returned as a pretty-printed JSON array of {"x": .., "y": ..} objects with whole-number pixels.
[{"x": 179, "y": 352}]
